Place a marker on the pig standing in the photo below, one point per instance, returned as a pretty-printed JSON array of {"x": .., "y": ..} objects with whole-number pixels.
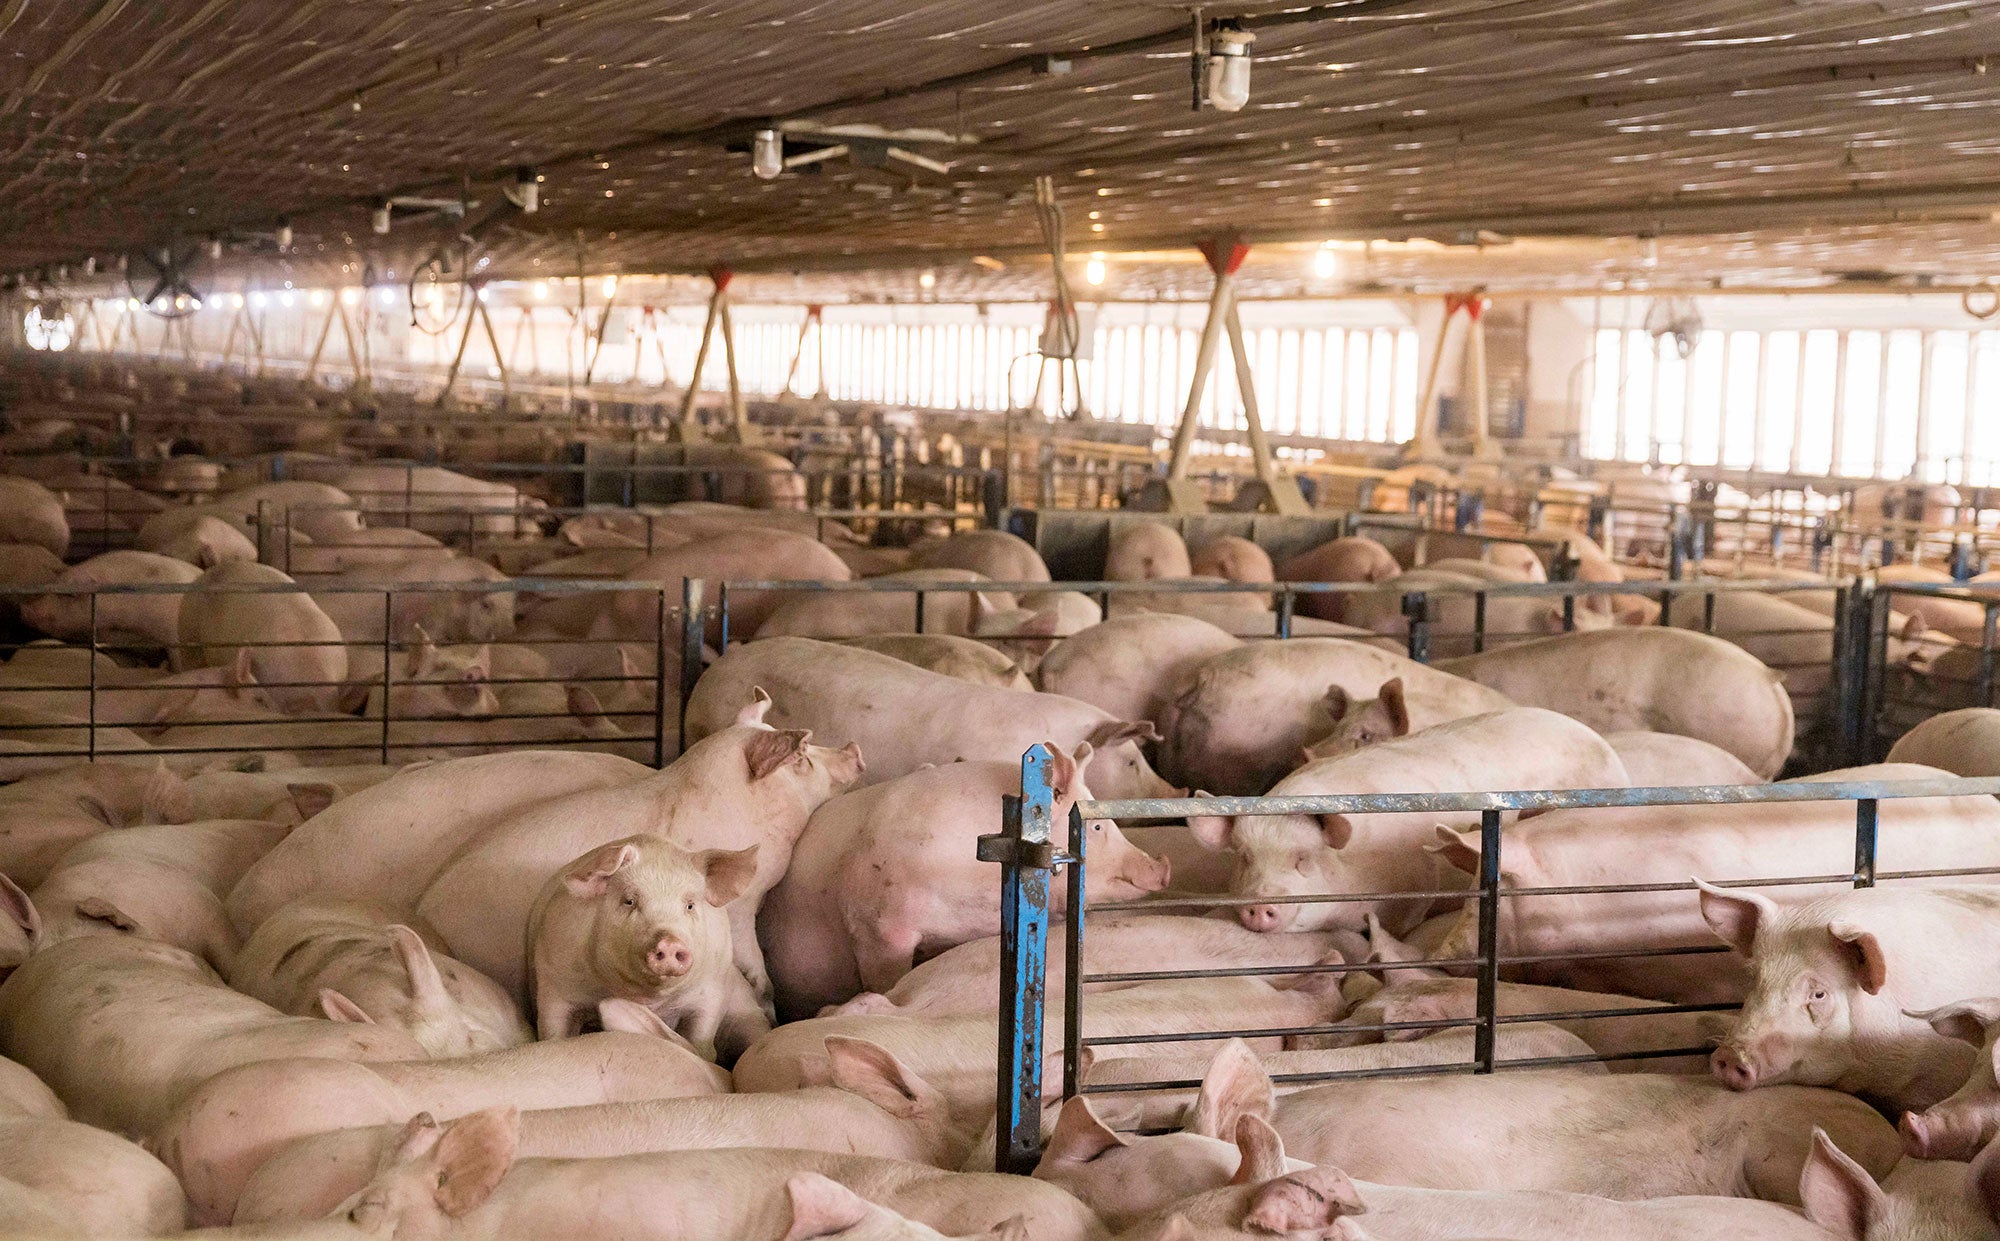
[
  {"x": 836, "y": 615},
  {"x": 1666, "y": 680},
  {"x": 887, "y": 873},
  {"x": 1233, "y": 559},
  {"x": 387, "y": 842},
  {"x": 737, "y": 555},
  {"x": 1128, "y": 666},
  {"x": 749, "y": 786},
  {"x": 1832, "y": 978},
  {"x": 147, "y": 621},
  {"x": 468, "y": 615},
  {"x": 1351, "y": 559},
  {"x": 1000, "y": 556},
  {"x": 1239, "y": 723},
  {"x": 298, "y": 652},
  {"x": 904, "y": 717},
  {"x": 1279, "y": 856},
  {"x": 1145, "y": 550},
  {"x": 348, "y": 961},
  {"x": 1661, "y": 760},
  {"x": 641, "y": 919}
]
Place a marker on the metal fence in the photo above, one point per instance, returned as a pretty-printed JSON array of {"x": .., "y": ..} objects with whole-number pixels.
[{"x": 1031, "y": 847}]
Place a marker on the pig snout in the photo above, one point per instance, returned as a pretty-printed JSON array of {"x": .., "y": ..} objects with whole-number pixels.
[
  {"x": 1265, "y": 918},
  {"x": 1147, "y": 873},
  {"x": 1944, "y": 1132},
  {"x": 669, "y": 958},
  {"x": 1734, "y": 1068}
]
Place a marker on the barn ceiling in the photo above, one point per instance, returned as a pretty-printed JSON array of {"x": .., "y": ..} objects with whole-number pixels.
[{"x": 1756, "y": 138}]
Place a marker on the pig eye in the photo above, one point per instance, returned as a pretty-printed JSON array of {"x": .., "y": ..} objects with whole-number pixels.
[
  {"x": 1819, "y": 995},
  {"x": 690, "y": 906},
  {"x": 630, "y": 903}
]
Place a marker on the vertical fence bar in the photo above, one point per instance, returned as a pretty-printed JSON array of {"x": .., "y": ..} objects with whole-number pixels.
[
  {"x": 920, "y": 610},
  {"x": 90, "y": 727},
  {"x": 1025, "y": 853},
  {"x": 1989, "y": 629},
  {"x": 722, "y": 618},
  {"x": 659, "y": 676},
  {"x": 388, "y": 610},
  {"x": 1073, "y": 959},
  {"x": 1479, "y": 622},
  {"x": 691, "y": 636},
  {"x": 1287, "y": 602},
  {"x": 1416, "y": 608},
  {"x": 1866, "y": 820},
  {"x": 1484, "y": 1035}
]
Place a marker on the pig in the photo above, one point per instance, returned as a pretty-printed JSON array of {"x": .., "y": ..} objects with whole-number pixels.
[
  {"x": 122, "y": 1028},
  {"x": 61, "y": 1178},
  {"x": 24, "y": 565},
  {"x": 142, "y": 698},
  {"x": 749, "y": 554},
  {"x": 355, "y": 601},
  {"x": 1662, "y": 679},
  {"x": 1239, "y": 723},
  {"x": 44, "y": 816},
  {"x": 1831, "y": 979},
  {"x": 164, "y": 882},
  {"x": 1233, "y": 559},
  {"x": 21, "y": 931},
  {"x": 1277, "y": 857},
  {"x": 1635, "y": 1043},
  {"x": 145, "y": 621},
  {"x": 387, "y": 842},
  {"x": 376, "y": 547},
  {"x": 889, "y": 873},
  {"x": 1918, "y": 1201},
  {"x": 747, "y": 786},
  {"x": 1661, "y": 760},
  {"x": 641, "y": 919},
  {"x": 321, "y": 512},
  {"x": 1452, "y": 610},
  {"x": 829, "y": 616},
  {"x": 1265, "y": 1199},
  {"x": 966, "y": 979},
  {"x": 438, "y": 501},
  {"x": 296, "y": 650},
  {"x": 1633, "y": 1136},
  {"x": 1142, "y": 550},
  {"x": 231, "y": 1125},
  {"x": 1793, "y": 641},
  {"x": 1665, "y": 845},
  {"x": 1128, "y": 666},
  {"x": 963, "y": 658},
  {"x": 440, "y": 1180},
  {"x": 1964, "y": 1124},
  {"x": 205, "y": 543},
  {"x": 349, "y": 961},
  {"x": 1964, "y": 742},
  {"x": 904, "y": 717},
  {"x": 1354, "y": 558},
  {"x": 33, "y": 515},
  {"x": 873, "y": 1105},
  {"x": 1000, "y": 556}
]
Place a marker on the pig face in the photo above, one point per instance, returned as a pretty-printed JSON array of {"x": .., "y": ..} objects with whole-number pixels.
[
  {"x": 434, "y": 1174},
  {"x": 1280, "y": 856},
  {"x": 820, "y": 771},
  {"x": 825, "y": 1210},
  {"x": 1922, "y": 1201},
  {"x": 443, "y": 1026},
  {"x": 1118, "y": 870},
  {"x": 1118, "y": 767},
  {"x": 1963, "y": 1125},
  {"x": 656, "y": 910},
  {"x": 1268, "y": 1195},
  {"x": 1359, "y": 722},
  {"x": 1808, "y": 998}
]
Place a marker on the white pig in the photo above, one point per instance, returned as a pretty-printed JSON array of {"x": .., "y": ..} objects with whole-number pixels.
[
  {"x": 145, "y": 620},
  {"x": 1129, "y": 665},
  {"x": 296, "y": 651}
]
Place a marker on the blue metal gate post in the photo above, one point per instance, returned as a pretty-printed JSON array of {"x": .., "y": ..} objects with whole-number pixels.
[
  {"x": 1484, "y": 1035},
  {"x": 1026, "y": 853}
]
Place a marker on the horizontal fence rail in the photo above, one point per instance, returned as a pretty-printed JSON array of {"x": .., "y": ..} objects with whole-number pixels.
[{"x": 1028, "y": 849}]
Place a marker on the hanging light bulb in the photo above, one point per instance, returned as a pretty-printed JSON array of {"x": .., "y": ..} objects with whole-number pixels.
[
  {"x": 1094, "y": 270},
  {"x": 1326, "y": 262},
  {"x": 379, "y": 220},
  {"x": 257, "y": 300},
  {"x": 386, "y": 296},
  {"x": 526, "y": 192},
  {"x": 284, "y": 233},
  {"x": 90, "y": 266},
  {"x": 1649, "y": 252},
  {"x": 215, "y": 247},
  {"x": 349, "y": 296},
  {"x": 236, "y": 301},
  {"x": 927, "y": 279},
  {"x": 318, "y": 297},
  {"x": 1229, "y": 68},
  {"x": 541, "y": 290},
  {"x": 610, "y": 287},
  {"x": 767, "y": 154}
]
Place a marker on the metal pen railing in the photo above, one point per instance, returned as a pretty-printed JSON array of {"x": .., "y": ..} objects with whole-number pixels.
[{"x": 1030, "y": 853}]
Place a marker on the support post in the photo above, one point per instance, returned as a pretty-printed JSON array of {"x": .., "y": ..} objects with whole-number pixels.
[
  {"x": 815, "y": 317},
  {"x": 1279, "y": 494},
  {"x": 1225, "y": 256},
  {"x": 325, "y": 330},
  {"x": 457, "y": 359},
  {"x": 597, "y": 339},
  {"x": 1424, "y": 445},
  {"x": 493, "y": 339},
  {"x": 1483, "y": 447},
  {"x": 685, "y": 417},
  {"x": 1026, "y": 853},
  {"x": 739, "y": 413}
]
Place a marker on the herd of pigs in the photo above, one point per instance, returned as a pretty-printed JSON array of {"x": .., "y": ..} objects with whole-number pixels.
[{"x": 520, "y": 985}]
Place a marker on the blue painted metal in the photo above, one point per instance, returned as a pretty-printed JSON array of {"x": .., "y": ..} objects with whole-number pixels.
[{"x": 1026, "y": 855}]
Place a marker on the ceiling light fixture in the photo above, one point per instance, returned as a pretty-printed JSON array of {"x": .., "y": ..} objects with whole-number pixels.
[
  {"x": 1326, "y": 262},
  {"x": 767, "y": 154},
  {"x": 284, "y": 235},
  {"x": 1094, "y": 270},
  {"x": 526, "y": 192},
  {"x": 1226, "y": 73},
  {"x": 379, "y": 220}
]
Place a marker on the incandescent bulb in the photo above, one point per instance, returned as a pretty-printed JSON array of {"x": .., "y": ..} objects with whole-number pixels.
[{"x": 767, "y": 154}]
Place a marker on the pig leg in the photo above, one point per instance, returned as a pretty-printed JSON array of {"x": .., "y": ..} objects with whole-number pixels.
[
  {"x": 744, "y": 1019},
  {"x": 749, "y": 953}
]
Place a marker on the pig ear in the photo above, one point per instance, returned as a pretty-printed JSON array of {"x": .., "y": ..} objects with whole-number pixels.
[
  {"x": 420, "y": 660},
  {"x": 822, "y": 1207},
  {"x": 97, "y": 909},
  {"x": 1455, "y": 850},
  {"x": 1336, "y": 830},
  {"x": 1734, "y": 916},
  {"x": 752, "y": 715},
  {"x": 1837, "y": 1193},
  {"x": 1235, "y": 1086},
  {"x": 242, "y": 672},
  {"x": 338, "y": 1007},
  {"x": 1079, "y": 1135},
  {"x": 472, "y": 1155},
  {"x": 583, "y": 704},
  {"x": 174, "y": 704},
  {"x": 1015, "y": 1229},
  {"x": 1063, "y": 766},
  {"x": 418, "y": 1138},
  {"x": 1390, "y": 699},
  {"x": 1967, "y": 1021},
  {"x": 1865, "y": 952},
  {"x": 591, "y": 873},
  {"x": 167, "y": 798},
  {"x": 1113, "y": 732},
  {"x": 312, "y": 797},
  {"x": 729, "y": 873},
  {"x": 426, "y": 982},
  {"x": 1261, "y": 1152},
  {"x": 771, "y": 749},
  {"x": 1311, "y": 1200},
  {"x": 1211, "y": 831},
  {"x": 21, "y": 908},
  {"x": 1338, "y": 703},
  {"x": 632, "y": 1017},
  {"x": 873, "y": 1072}
]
